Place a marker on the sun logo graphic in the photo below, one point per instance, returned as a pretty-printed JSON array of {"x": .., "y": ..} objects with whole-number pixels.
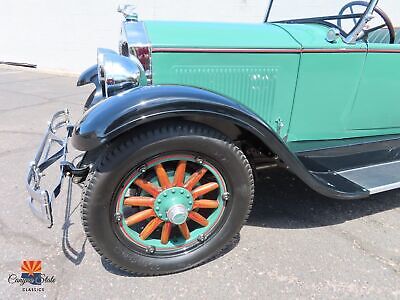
[{"x": 32, "y": 271}]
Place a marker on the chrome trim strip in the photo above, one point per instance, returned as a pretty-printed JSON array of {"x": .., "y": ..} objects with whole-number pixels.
[
  {"x": 384, "y": 188},
  {"x": 224, "y": 50},
  {"x": 369, "y": 167},
  {"x": 252, "y": 50}
]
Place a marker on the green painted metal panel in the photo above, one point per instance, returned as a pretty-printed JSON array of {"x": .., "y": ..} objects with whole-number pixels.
[
  {"x": 217, "y": 35},
  {"x": 326, "y": 89},
  {"x": 335, "y": 96},
  {"x": 327, "y": 85},
  {"x": 263, "y": 82},
  {"x": 377, "y": 105}
]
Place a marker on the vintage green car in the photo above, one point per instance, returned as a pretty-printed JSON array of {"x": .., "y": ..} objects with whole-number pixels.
[{"x": 186, "y": 114}]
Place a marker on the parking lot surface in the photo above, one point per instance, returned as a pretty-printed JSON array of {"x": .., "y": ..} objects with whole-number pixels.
[{"x": 296, "y": 244}]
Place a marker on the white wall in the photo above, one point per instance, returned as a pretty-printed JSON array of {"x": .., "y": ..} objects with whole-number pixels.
[{"x": 63, "y": 35}]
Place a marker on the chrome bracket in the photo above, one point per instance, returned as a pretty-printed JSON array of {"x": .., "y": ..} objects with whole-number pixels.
[{"x": 40, "y": 199}]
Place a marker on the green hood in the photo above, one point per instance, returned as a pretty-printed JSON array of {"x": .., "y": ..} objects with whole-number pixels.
[{"x": 168, "y": 34}]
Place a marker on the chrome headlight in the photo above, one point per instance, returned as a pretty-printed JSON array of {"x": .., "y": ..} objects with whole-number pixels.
[{"x": 118, "y": 73}]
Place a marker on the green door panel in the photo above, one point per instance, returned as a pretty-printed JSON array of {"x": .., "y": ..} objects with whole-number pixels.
[
  {"x": 217, "y": 35},
  {"x": 326, "y": 89},
  {"x": 377, "y": 105},
  {"x": 263, "y": 82},
  {"x": 329, "y": 76}
]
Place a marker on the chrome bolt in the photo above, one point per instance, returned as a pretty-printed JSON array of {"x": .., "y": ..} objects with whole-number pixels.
[
  {"x": 199, "y": 160},
  {"x": 151, "y": 250},
  {"x": 143, "y": 169},
  {"x": 225, "y": 196},
  {"x": 117, "y": 217},
  {"x": 201, "y": 238}
]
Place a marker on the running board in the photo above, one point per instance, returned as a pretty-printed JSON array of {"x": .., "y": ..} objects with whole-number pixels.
[{"x": 375, "y": 178}]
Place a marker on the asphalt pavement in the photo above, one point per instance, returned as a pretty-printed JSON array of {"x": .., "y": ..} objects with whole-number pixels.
[{"x": 296, "y": 245}]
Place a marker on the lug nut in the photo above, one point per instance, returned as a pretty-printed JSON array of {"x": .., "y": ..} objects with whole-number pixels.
[
  {"x": 151, "y": 250},
  {"x": 117, "y": 217},
  {"x": 143, "y": 169},
  {"x": 199, "y": 160},
  {"x": 226, "y": 196}
]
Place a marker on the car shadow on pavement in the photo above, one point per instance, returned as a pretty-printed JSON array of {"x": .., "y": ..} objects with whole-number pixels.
[
  {"x": 73, "y": 255},
  {"x": 284, "y": 201}
]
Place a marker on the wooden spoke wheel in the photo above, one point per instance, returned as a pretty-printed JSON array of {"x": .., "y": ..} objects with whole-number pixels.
[
  {"x": 167, "y": 198},
  {"x": 171, "y": 202}
]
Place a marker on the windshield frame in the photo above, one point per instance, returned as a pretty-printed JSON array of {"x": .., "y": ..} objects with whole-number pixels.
[{"x": 350, "y": 37}]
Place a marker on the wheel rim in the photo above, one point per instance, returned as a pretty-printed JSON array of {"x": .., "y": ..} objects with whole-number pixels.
[{"x": 171, "y": 202}]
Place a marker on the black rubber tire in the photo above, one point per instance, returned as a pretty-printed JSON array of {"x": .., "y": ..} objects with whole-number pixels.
[{"x": 128, "y": 153}]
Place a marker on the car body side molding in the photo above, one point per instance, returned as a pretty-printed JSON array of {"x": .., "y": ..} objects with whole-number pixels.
[{"x": 121, "y": 113}]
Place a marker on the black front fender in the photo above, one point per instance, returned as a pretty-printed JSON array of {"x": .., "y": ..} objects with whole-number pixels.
[
  {"x": 128, "y": 110},
  {"x": 121, "y": 113}
]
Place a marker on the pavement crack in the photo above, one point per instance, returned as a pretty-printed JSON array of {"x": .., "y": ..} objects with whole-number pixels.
[
  {"x": 16, "y": 237},
  {"x": 27, "y": 80},
  {"x": 23, "y": 107},
  {"x": 15, "y": 151}
]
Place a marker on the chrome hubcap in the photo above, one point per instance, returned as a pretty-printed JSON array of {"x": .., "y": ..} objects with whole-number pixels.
[{"x": 177, "y": 214}]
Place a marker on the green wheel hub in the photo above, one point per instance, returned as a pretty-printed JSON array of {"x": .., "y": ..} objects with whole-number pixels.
[{"x": 173, "y": 205}]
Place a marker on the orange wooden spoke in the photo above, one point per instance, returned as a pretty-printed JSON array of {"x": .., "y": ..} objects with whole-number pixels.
[
  {"x": 185, "y": 231},
  {"x": 150, "y": 227},
  {"x": 139, "y": 201},
  {"x": 206, "y": 204},
  {"x": 162, "y": 176},
  {"x": 165, "y": 233},
  {"x": 198, "y": 218},
  {"x": 204, "y": 189},
  {"x": 148, "y": 187},
  {"x": 180, "y": 173},
  {"x": 140, "y": 216},
  {"x": 194, "y": 179}
]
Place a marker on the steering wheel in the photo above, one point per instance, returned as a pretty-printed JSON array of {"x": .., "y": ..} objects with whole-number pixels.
[{"x": 387, "y": 22}]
